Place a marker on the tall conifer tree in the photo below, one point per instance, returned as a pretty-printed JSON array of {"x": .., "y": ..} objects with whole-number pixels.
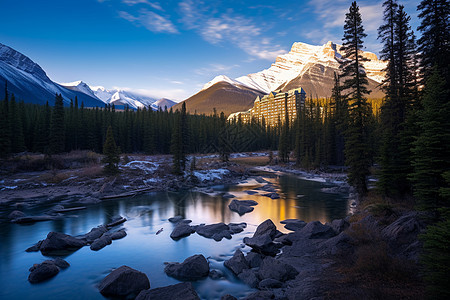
[
  {"x": 57, "y": 130},
  {"x": 355, "y": 85}
]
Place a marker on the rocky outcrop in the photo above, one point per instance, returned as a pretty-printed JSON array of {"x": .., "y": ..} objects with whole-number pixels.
[
  {"x": 219, "y": 231},
  {"x": 272, "y": 268},
  {"x": 124, "y": 282},
  {"x": 293, "y": 224},
  {"x": 237, "y": 263},
  {"x": 180, "y": 291},
  {"x": 182, "y": 230},
  {"x": 58, "y": 243},
  {"x": 191, "y": 269},
  {"x": 101, "y": 242}
]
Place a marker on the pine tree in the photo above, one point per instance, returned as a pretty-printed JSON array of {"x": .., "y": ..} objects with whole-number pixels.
[
  {"x": 434, "y": 44},
  {"x": 57, "y": 130},
  {"x": 340, "y": 119},
  {"x": 355, "y": 84},
  {"x": 179, "y": 141},
  {"x": 5, "y": 137},
  {"x": 111, "y": 152},
  {"x": 431, "y": 148},
  {"x": 16, "y": 127}
]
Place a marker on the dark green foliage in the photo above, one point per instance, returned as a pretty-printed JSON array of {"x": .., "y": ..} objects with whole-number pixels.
[
  {"x": 5, "y": 129},
  {"x": 434, "y": 44},
  {"x": 400, "y": 88},
  {"x": 436, "y": 257},
  {"x": 111, "y": 152},
  {"x": 431, "y": 148},
  {"x": 57, "y": 130},
  {"x": 179, "y": 141},
  {"x": 357, "y": 151}
]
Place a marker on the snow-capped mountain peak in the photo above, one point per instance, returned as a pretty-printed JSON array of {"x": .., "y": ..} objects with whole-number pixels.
[
  {"x": 221, "y": 78},
  {"x": 19, "y": 61}
]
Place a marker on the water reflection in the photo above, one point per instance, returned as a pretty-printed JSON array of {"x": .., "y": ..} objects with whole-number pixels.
[{"x": 143, "y": 249}]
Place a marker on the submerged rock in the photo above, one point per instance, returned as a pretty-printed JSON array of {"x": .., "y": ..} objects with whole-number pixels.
[
  {"x": 216, "y": 231},
  {"x": 101, "y": 242},
  {"x": 180, "y": 291},
  {"x": 176, "y": 219},
  {"x": 124, "y": 282},
  {"x": 118, "y": 235},
  {"x": 95, "y": 233},
  {"x": 192, "y": 268}
]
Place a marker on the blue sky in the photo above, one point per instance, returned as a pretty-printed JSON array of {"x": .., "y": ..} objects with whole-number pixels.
[{"x": 171, "y": 48}]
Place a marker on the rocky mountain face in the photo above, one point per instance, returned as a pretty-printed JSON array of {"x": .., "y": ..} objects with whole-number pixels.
[
  {"x": 306, "y": 66},
  {"x": 29, "y": 82}
]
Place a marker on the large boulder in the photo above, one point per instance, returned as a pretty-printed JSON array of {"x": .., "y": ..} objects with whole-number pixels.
[
  {"x": 272, "y": 268},
  {"x": 262, "y": 240},
  {"x": 180, "y": 291},
  {"x": 401, "y": 236},
  {"x": 95, "y": 233},
  {"x": 118, "y": 235},
  {"x": 341, "y": 244},
  {"x": 316, "y": 230},
  {"x": 181, "y": 230},
  {"x": 254, "y": 259},
  {"x": 101, "y": 242},
  {"x": 269, "y": 283},
  {"x": 237, "y": 263},
  {"x": 249, "y": 277},
  {"x": 124, "y": 282},
  {"x": 237, "y": 227},
  {"x": 60, "y": 243},
  {"x": 340, "y": 225},
  {"x": 192, "y": 268}
]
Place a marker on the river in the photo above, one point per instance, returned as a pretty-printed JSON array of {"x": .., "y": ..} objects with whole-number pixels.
[{"x": 145, "y": 251}]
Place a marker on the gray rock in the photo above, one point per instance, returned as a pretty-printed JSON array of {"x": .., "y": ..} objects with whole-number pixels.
[
  {"x": 192, "y": 268},
  {"x": 59, "y": 262},
  {"x": 262, "y": 240},
  {"x": 95, "y": 233},
  {"x": 338, "y": 245},
  {"x": 251, "y": 192},
  {"x": 181, "y": 230},
  {"x": 269, "y": 283},
  {"x": 248, "y": 276},
  {"x": 34, "y": 219},
  {"x": 237, "y": 263},
  {"x": 42, "y": 272},
  {"x": 254, "y": 259},
  {"x": 316, "y": 230},
  {"x": 124, "y": 282},
  {"x": 266, "y": 227},
  {"x": 16, "y": 214},
  {"x": 293, "y": 224},
  {"x": 216, "y": 231},
  {"x": 176, "y": 219},
  {"x": 228, "y": 195},
  {"x": 101, "y": 242},
  {"x": 118, "y": 235},
  {"x": 117, "y": 220},
  {"x": 275, "y": 269},
  {"x": 35, "y": 247},
  {"x": 242, "y": 206},
  {"x": 339, "y": 225},
  {"x": 180, "y": 291},
  {"x": 60, "y": 243}
]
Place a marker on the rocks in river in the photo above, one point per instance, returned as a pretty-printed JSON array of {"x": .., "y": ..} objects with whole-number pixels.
[
  {"x": 215, "y": 274},
  {"x": 175, "y": 219},
  {"x": 249, "y": 277},
  {"x": 95, "y": 233},
  {"x": 293, "y": 224},
  {"x": 124, "y": 282},
  {"x": 316, "y": 230},
  {"x": 272, "y": 268},
  {"x": 242, "y": 206},
  {"x": 262, "y": 240},
  {"x": 46, "y": 270},
  {"x": 117, "y": 220},
  {"x": 182, "y": 230},
  {"x": 254, "y": 259},
  {"x": 192, "y": 268},
  {"x": 58, "y": 243},
  {"x": 228, "y": 195},
  {"x": 339, "y": 225},
  {"x": 219, "y": 231},
  {"x": 34, "y": 219},
  {"x": 101, "y": 242},
  {"x": 237, "y": 263},
  {"x": 118, "y": 235},
  {"x": 251, "y": 192},
  {"x": 228, "y": 297},
  {"x": 259, "y": 295},
  {"x": 180, "y": 291}
]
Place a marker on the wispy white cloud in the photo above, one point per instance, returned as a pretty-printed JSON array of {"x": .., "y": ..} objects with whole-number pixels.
[
  {"x": 212, "y": 69},
  {"x": 155, "y": 5},
  {"x": 150, "y": 20},
  {"x": 173, "y": 94}
]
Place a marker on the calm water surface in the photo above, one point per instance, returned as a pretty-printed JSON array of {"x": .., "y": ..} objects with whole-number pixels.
[{"x": 145, "y": 251}]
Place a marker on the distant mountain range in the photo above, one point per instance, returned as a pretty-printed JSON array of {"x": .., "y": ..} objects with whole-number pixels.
[
  {"x": 29, "y": 82},
  {"x": 306, "y": 66}
]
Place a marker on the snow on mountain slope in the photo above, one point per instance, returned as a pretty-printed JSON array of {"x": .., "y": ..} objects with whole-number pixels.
[
  {"x": 300, "y": 59},
  {"x": 79, "y": 86},
  {"x": 29, "y": 82},
  {"x": 163, "y": 103}
]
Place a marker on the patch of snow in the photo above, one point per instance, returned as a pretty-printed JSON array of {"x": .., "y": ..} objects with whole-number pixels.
[
  {"x": 210, "y": 175},
  {"x": 146, "y": 166},
  {"x": 9, "y": 188}
]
